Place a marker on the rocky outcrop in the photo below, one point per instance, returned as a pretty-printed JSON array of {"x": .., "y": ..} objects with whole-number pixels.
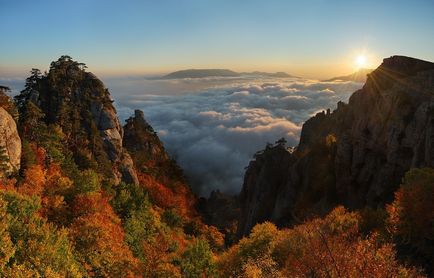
[
  {"x": 159, "y": 173},
  {"x": 10, "y": 143},
  {"x": 79, "y": 103},
  {"x": 355, "y": 155},
  {"x": 74, "y": 102},
  {"x": 143, "y": 143},
  {"x": 220, "y": 210},
  {"x": 111, "y": 132},
  {"x": 127, "y": 169},
  {"x": 109, "y": 127}
]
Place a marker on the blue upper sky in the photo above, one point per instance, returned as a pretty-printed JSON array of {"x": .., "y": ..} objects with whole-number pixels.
[{"x": 314, "y": 38}]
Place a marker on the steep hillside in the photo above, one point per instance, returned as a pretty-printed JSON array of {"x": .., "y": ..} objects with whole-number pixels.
[
  {"x": 91, "y": 198},
  {"x": 156, "y": 170},
  {"x": 355, "y": 155},
  {"x": 78, "y": 102},
  {"x": 94, "y": 199}
]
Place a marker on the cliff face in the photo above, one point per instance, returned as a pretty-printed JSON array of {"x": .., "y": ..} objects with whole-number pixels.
[
  {"x": 222, "y": 211},
  {"x": 78, "y": 102},
  {"x": 141, "y": 141},
  {"x": 156, "y": 170},
  {"x": 77, "y": 107},
  {"x": 355, "y": 156},
  {"x": 10, "y": 143}
]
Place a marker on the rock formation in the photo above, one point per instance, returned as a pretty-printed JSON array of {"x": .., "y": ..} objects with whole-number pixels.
[
  {"x": 142, "y": 141},
  {"x": 160, "y": 174},
  {"x": 78, "y": 102},
  {"x": 149, "y": 154},
  {"x": 10, "y": 143},
  {"x": 220, "y": 210},
  {"x": 355, "y": 156}
]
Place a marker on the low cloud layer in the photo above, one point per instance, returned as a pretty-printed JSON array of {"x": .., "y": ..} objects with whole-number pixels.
[{"x": 213, "y": 127}]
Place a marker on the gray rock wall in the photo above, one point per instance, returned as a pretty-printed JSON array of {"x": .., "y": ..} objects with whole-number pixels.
[{"x": 10, "y": 141}]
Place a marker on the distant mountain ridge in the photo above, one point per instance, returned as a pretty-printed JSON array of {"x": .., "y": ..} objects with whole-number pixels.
[
  {"x": 358, "y": 76},
  {"x": 202, "y": 73}
]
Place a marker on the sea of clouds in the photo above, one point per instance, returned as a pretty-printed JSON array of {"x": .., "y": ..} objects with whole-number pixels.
[{"x": 213, "y": 126}]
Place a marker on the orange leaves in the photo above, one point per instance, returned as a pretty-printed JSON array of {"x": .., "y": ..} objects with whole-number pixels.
[
  {"x": 165, "y": 197},
  {"x": 51, "y": 186},
  {"x": 34, "y": 181},
  {"x": 93, "y": 203},
  {"x": 214, "y": 237},
  {"x": 99, "y": 237},
  {"x": 411, "y": 215},
  {"x": 328, "y": 247},
  {"x": 156, "y": 259},
  {"x": 412, "y": 212},
  {"x": 56, "y": 182},
  {"x": 333, "y": 246},
  {"x": 34, "y": 175}
]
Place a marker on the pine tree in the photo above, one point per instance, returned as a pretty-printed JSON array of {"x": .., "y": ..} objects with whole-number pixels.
[
  {"x": 4, "y": 160},
  {"x": 31, "y": 85}
]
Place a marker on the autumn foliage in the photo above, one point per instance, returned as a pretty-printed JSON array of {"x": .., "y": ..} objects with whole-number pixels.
[
  {"x": 178, "y": 197},
  {"x": 65, "y": 215},
  {"x": 329, "y": 247},
  {"x": 411, "y": 217}
]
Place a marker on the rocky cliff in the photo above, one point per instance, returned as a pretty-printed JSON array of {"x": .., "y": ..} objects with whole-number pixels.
[
  {"x": 10, "y": 143},
  {"x": 142, "y": 141},
  {"x": 355, "y": 155},
  {"x": 69, "y": 112},
  {"x": 78, "y": 102},
  {"x": 156, "y": 170},
  {"x": 222, "y": 211}
]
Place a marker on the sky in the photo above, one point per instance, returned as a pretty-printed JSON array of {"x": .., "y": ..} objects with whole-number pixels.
[
  {"x": 313, "y": 38},
  {"x": 214, "y": 126}
]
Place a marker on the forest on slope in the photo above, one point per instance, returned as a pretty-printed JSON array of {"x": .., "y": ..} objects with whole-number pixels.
[{"x": 91, "y": 198}]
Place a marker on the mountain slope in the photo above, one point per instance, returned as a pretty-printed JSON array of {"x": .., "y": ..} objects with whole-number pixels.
[
  {"x": 93, "y": 198},
  {"x": 355, "y": 156},
  {"x": 78, "y": 102},
  {"x": 160, "y": 174}
]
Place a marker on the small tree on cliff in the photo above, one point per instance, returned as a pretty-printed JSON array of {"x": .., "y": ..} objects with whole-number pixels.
[
  {"x": 281, "y": 142},
  {"x": 31, "y": 84},
  {"x": 4, "y": 160}
]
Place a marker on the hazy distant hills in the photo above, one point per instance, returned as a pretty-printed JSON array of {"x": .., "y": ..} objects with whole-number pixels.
[
  {"x": 358, "y": 76},
  {"x": 202, "y": 73},
  {"x": 279, "y": 74}
]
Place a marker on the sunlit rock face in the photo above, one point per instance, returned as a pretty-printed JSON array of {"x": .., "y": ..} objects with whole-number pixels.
[
  {"x": 81, "y": 105},
  {"x": 10, "y": 143},
  {"x": 355, "y": 155}
]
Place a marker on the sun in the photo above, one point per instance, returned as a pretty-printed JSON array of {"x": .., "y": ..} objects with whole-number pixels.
[{"x": 360, "y": 61}]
